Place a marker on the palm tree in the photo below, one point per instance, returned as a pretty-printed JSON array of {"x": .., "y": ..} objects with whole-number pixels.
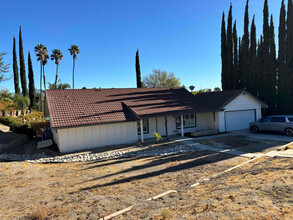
[
  {"x": 74, "y": 50},
  {"x": 59, "y": 86},
  {"x": 21, "y": 102},
  {"x": 57, "y": 56},
  {"x": 42, "y": 54},
  {"x": 38, "y": 50},
  {"x": 44, "y": 63}
]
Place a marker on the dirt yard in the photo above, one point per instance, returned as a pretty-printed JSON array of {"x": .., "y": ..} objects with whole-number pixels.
[
  {"x": 96, "y": 189},
  {"x": 243, "y": 143},
  {"x": 260, "y": 190}
]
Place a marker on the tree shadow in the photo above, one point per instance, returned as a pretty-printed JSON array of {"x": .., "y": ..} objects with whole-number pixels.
[{"x": 194, "y": 160}]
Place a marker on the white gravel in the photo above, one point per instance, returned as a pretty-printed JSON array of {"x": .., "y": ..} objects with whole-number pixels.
[{"x": 43, "y": 158}]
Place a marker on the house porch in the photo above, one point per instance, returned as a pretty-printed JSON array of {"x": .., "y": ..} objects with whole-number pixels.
[{"x": 172, "y": 125}]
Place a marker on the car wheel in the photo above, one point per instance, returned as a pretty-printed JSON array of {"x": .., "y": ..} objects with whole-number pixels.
[
  {"x": 289, "y": 132},
  {"x": 254, "y": 129}
]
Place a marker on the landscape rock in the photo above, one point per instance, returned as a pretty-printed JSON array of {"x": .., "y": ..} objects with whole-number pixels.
[{"x": 148, "y": 152}]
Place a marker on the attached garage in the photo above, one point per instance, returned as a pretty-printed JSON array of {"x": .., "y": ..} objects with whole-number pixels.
[
  {"x": 240, "y": 111},
  {"x": 236, "y": 120}
]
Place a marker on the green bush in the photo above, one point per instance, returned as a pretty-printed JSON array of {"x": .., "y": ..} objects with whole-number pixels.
[
  {"x": 16, "y": 125},
  {"x": 11, "y": 122}
]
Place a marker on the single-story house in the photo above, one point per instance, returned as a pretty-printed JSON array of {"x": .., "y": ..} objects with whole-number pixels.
[{"x": 89, "y": 118}]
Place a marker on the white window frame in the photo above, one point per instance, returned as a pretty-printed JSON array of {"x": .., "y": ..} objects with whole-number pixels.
[{"x": 187, "y": 119}]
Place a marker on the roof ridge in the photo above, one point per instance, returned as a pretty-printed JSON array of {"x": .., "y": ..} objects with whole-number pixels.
[{"x": 115, "y": 88}]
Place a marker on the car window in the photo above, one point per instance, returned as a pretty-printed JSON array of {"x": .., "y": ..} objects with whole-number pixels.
[
  {"x": 278, "y": 119},
  {"x": 267, "y": 119},
  {"x": 290, "y": 119}
]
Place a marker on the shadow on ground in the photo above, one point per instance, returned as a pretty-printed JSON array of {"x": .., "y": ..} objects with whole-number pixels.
[{"x": 172, "y": 163}]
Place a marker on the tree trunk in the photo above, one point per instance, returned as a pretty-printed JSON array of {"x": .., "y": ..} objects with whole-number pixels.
[
  {"x": 41, "y": 75},
  {"x": 44, "y": 77},
  {"x": 23, "y": 116},
  {"x": 73, "y": 73},
  {"x": 56, "y": 76}
]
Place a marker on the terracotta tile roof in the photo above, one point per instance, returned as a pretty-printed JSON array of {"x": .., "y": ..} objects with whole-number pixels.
[{"x": 70, "y": 108}]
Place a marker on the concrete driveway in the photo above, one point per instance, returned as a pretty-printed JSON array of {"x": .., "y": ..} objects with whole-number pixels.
[{"x": 264, "y": 136}]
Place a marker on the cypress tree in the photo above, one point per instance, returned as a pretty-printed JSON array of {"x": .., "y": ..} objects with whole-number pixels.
[
  {"x": 266, "y": 52},
  {"x": 261, "y": 67},
  {"x": 283, "y": 76},
  {"x": 22, "y": 66},
  {"x": 245, "y": 50},
  {"x": 253, "y": 74},
  {"x": 230, "y": 51},
  {"x": 31, "y": 84},
  {"x": 240, "y": 65},
  {"x": 15, "y": 69},
  {"x": 137, "y": 69},
  {"x": 289, "y": 51},
  {"x": 224, "y": 53},
  {"x": 235, "y": 56},
  {"x": 272, "y": 69}
]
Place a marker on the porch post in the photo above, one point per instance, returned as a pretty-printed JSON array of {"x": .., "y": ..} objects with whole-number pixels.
[
  {"x": 182, "y": 127},
  {"x": 141, "y": 130}
]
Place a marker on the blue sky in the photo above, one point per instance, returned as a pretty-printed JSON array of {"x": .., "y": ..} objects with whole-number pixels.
[{"x": 180, "y": 36}]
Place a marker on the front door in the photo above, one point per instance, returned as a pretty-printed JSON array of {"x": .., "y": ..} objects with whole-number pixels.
[{"x": 160, "y": 124}]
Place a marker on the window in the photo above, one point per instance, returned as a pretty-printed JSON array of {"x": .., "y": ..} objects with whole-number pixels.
[
  {"x": 145, "y": 123},
  {"x": 189, "y": 121},
  {"x": 278, "y": 119},
  {"x": 267, "y": 119},
  {"x": 290, "y": 119}
]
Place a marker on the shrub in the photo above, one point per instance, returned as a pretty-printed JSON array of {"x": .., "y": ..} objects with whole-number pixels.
[
  {"x": 165, "y": 213},
  {"x": 11, "y": 122},
  {"x": 16, "y": 125},
  {"x": 25, "y": 130}
]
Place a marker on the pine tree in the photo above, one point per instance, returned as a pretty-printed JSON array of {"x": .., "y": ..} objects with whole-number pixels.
[
  {"x": 22, "y": 66},
  {"x": 245, "y": 50},
  {"x": 224, "y": 53},
  {"x": 253, "y": 74},
  {"x": 15, "y": 69},
  {"x": 137, "y": 69},
  {"x": 235, "y": 58},
  {"x": 31, "y": 84},
  {"x": 283, "y": 76},
  {"x": 230, "y": 51}
]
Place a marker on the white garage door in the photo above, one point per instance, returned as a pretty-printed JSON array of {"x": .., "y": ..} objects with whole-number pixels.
[{"x": 236, "y": 120}]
